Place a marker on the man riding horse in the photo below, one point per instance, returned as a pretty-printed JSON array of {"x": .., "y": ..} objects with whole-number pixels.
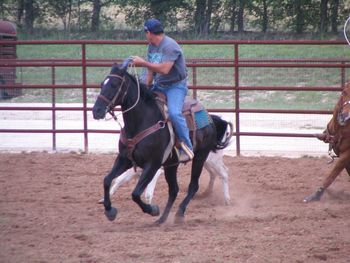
[{"x": 167, "y": 74}]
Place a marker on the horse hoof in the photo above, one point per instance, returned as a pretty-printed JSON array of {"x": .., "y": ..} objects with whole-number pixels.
[
  {"x": 101, "y": 201},
  {"x": 179, "y": 220},
  {"x": 311, "y": 198},
  {"x": 111, "y": 214},
  {"x": 159, "y": 222},
  {"x": 316, "y": 196},
  {"x": 155, "y": 210}
]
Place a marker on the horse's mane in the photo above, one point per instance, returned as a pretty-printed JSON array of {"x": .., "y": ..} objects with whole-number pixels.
[{"x": 145, "y": 93}]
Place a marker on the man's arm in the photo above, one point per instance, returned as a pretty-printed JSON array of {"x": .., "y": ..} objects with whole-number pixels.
[{"x": 161, "y": 68}]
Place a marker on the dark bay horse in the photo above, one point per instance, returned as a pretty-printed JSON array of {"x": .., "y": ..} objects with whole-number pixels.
[
  {"x": 141, "y": 113},
  {"x": 337, "y": 135}
]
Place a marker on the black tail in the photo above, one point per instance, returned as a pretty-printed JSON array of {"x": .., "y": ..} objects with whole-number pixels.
[{"x": 224, "y": 132}]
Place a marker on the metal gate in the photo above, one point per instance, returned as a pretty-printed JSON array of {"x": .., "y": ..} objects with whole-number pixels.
[{"x": 241, "y": 77}]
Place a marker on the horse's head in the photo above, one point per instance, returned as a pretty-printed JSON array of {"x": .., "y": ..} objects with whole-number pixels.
[
  {"x": 113, "y": 90},
  {"x": 344, "y": 106}
]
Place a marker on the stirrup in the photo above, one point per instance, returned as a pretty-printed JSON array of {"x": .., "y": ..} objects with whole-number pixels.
[{"x": 185, "y": 154}]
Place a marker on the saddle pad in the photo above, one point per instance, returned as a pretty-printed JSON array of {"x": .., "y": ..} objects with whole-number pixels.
[{"x": 202, "y": 119}]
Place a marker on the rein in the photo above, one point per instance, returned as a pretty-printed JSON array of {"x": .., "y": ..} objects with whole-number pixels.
[
  {"x": 132, "y": 142},
  {"x": 111, "y": 103},
  {"x": 332, "y": 136}
]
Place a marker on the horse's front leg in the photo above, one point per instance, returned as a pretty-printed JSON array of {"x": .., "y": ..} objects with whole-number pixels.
[
  {"x": 151, "y": 186},
  {"x": 339, "y": 166},
  {"x": 120, "y": 166},
  {"x": 145, "y": 178},
  {"x": 121, "y": 180}
]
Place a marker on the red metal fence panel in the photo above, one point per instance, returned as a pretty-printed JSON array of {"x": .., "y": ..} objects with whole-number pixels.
[{"x": 233, "y": 72}]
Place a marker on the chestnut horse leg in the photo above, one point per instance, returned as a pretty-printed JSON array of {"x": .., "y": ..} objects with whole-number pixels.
[
  {"x": 339, "y": 166},
  {"x": 348, "y": 169}
]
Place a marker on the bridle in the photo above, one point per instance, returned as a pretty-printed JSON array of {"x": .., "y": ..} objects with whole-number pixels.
[
  {"x": 111, "y": 103},
  {"x": 342, "y": 105},
  {"x": 121, "y": 94}
]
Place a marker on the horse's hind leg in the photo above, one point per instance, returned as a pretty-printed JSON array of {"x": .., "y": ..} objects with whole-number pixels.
[
  {"x": 215, "y": 166},
  {"x": 222, "y": 171},
  {"x": 348, "y": 169},
  {"x": 171, "y": 178},
  {"x": 212, "y": 175},
  {"x": 145, "y": 178},
  {"x": 197, "y": 166}
]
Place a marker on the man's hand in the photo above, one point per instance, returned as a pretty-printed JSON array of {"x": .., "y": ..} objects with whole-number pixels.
[{"x": 138, "y": 61}]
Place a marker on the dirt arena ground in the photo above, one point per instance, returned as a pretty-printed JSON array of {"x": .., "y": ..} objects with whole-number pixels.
[{"x": 49, "y": 213}]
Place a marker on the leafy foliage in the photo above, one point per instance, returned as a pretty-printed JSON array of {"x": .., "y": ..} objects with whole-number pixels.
[{"x": 201, "y": 17}]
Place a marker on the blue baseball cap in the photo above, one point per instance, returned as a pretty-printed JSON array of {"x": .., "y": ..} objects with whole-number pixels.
[{"x": 154, "y": 26}]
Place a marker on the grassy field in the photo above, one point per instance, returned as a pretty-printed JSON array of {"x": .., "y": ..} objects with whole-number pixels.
[{"x": 219, "y": 76}]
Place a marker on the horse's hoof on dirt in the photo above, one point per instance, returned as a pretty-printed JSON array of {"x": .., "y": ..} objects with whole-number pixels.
[
  {"x": 111, "y": 214},
  {"x": 315, "y": 197},
  {"x": 159, "y": 222},
  {"x": 179, "y": 220},
  {"x": 101, "y": 201},
  {"x": 155, "y": 210},
  {"x": 312, "y": 198}
]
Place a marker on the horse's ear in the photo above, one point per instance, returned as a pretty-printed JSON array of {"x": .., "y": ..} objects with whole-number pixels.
[
  {"x": 126, "y": 63},
  {"x": 114, "y": 66}
]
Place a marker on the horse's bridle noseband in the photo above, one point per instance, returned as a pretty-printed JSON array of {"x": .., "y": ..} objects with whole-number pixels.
[
  {"x": 342, "y": 105},
  {"x": 111, "y": 103}
]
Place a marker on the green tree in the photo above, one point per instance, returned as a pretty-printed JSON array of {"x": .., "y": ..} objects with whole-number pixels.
[
  {"x": 61, "y": 9},
  {"x": 334, "y": 15},
  {"x": 240, "y": 15},
  {"x": 97, "y": 5},
  {"x": 323, "y": 16},
  {"x": 137, "y": 11}
]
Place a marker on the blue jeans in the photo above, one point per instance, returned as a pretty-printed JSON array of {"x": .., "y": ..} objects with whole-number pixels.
[{"x": 176, "y": 94}]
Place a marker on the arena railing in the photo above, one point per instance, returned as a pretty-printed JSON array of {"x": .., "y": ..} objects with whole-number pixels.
[{"x": 237, "y": 63}]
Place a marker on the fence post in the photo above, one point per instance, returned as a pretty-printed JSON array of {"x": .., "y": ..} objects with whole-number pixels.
[
  {"x": 342, "y": 70},
  {"x": 194, "y": 81},
  {"x": 53, "y": 100},
  {"x": 238, "y": 143},
  {"x": 83, "y": 56}
]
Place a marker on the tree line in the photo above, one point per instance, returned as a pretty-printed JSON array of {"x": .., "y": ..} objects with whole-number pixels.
[{"x": 202, "y": 17}]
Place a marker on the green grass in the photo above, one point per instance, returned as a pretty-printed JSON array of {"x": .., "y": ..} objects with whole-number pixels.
[{"x": 220, "y": 76}]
